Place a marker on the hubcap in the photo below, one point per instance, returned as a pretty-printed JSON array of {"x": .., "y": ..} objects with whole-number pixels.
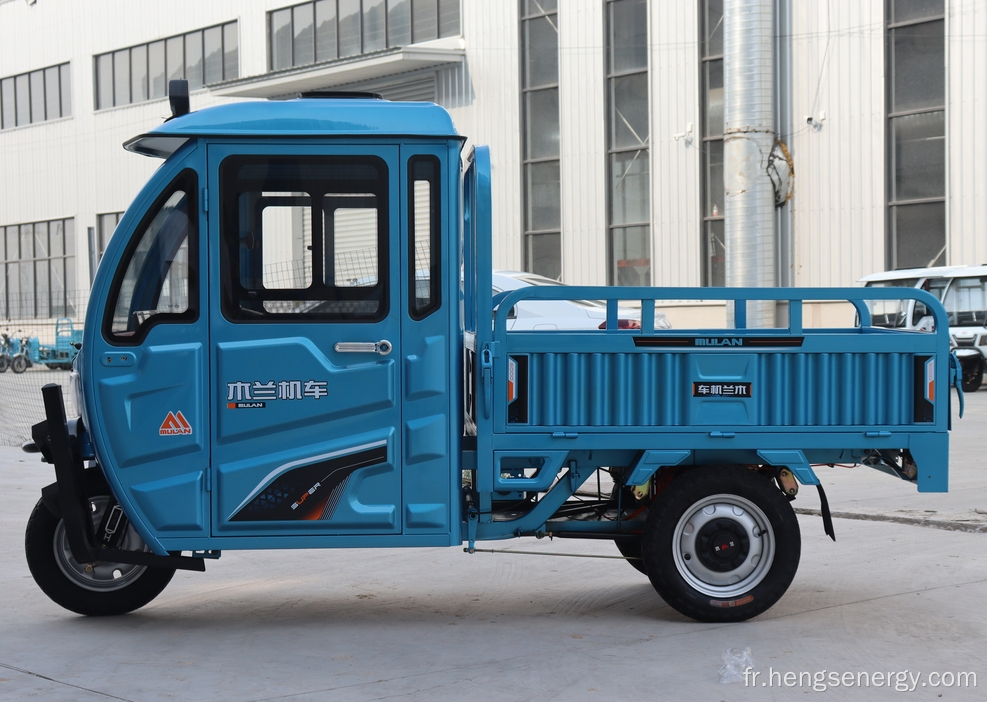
[
  {"x": 98, "y": 576},
  {"x": 723, "y": 546}
]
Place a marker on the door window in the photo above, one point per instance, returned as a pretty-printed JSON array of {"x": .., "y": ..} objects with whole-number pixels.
[
  {"x": 304, "y": 238},
  {"x": 423, "y": 232},
  {"x": 157, "y": 279}
]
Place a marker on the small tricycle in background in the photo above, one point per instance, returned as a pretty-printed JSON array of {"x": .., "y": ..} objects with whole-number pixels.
[{"x": 19, "y": 354}]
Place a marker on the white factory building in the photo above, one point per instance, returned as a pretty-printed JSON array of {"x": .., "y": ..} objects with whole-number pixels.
[{"x": 605, "y": 120}]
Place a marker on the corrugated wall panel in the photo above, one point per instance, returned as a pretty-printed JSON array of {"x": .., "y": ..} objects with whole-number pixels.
[
  {"x": 655, "y": 389},
  {"x": 966, "y": 132},
  {"x": 839, "y": 201},
  {"x": 492, "y": 114},
  {"x": 675, "y": 208},
  {"x": 584, "y": 174}
]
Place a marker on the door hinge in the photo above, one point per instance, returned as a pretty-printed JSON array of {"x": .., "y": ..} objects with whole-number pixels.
[
  {"x": 209, "y": 479},
  {"x": 205, "y": 199}
]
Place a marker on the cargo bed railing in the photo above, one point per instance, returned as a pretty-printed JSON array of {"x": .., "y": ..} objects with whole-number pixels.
[
  {"x": 856, "y": 376},
  {"x": 648, "y": 297}
]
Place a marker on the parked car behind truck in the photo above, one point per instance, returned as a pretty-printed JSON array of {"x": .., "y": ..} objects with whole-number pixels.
[
  {"x": 961, "y": 289},
  {"x": 226, "y": 407}
]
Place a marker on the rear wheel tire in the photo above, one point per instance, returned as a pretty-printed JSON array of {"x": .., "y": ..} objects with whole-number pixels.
[
  {"x": 721, "y": 544},
  {"x": 973, "y": 375},
  {"x": 94, "y": 589},
  {"x": 4, "y": 363},
  {"x": 631, "y": 550}
]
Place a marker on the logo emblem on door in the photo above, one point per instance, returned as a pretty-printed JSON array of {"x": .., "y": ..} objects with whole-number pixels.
[{"x": 175, "y": 424}]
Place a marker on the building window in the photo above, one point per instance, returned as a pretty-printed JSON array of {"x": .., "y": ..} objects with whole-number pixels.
[
  {"x": 326, "y": 30},
  {"x": 916, "y": 133},
  {"x": 628, "y": 139},
  {"x": 711, "y": 98},
  {"x": 38, "y": 270},
  {"x": 540, "y": 137},
  {"x": 37, "y": 96},
  {"x": 141, "y": 73},
  {"x": 106, "y": 224}
]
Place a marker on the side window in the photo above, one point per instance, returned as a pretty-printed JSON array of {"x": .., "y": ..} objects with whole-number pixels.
[
  {"x": 304, "y": 238},
  {"x": 157, "y": 279},
  {"x": 424, "y": 271}
]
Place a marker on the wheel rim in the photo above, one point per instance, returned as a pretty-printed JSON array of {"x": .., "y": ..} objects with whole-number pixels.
[
  {"x": 99, "y": 576},
  {"x": 723, "y": 546}
]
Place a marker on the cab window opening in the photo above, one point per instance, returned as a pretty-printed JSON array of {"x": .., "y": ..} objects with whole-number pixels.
[
  {"x": 304, "y": 238},
  {"x": 157, "y": 278},
  {"x": 424, "y": 236}
]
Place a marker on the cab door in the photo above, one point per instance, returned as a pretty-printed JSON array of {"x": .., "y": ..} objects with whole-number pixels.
[{"x": 305, "y": 312}]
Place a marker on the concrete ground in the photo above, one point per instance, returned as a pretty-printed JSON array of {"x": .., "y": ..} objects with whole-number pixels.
[{"x": 437, "y": 624}]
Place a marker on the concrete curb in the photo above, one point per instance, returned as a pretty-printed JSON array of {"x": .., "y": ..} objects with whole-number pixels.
[{"x": 946, "y": 524}]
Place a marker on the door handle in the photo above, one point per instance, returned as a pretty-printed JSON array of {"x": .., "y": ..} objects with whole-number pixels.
[{"x": 383, "y": 347}]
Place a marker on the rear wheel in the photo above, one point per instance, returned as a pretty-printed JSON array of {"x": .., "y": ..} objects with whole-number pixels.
[
  {"x": 4, "y": 362},
  {"x": 631, "y": 506},
  {"x": 721, "y": 544},
  {"x": 630, "y": 548},
  {"x": 973, "y": 374},
  {"x": 94, "y": 589}
]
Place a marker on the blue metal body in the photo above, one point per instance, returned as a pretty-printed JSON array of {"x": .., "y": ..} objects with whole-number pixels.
[{"x": 434, "y": 413}]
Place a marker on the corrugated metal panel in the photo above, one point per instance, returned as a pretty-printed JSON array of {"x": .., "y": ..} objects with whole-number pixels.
[
  {"x": 453, "y": 87},
  {"x": 412, "y": 87},
  {"x": 789, "y": 389},
  {"x": 490, "y": 113},
  {"x": 675, "y": 206},
  {"x": 966, "y": 132},
  {"x": 675, "y": 164},
  {"x": 839, "y": 201},
  {"x": 583, "y": 148}
]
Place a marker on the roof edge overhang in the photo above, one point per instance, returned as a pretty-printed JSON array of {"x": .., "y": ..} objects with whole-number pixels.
[
  {"x": 163, "y": 146},
  {"x": 344, "y": 71}
]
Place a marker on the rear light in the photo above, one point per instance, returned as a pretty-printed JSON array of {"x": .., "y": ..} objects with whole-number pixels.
[{"x": 623, "y": 324}]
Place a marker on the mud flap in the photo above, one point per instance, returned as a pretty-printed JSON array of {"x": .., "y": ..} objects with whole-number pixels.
[{"x": 826, "y": 516}]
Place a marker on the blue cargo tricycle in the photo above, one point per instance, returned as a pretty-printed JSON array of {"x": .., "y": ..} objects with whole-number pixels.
[{"x": 243, "y": 384}]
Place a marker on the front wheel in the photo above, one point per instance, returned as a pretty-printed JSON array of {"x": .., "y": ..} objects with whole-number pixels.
[
  {"x": 94, "y": 589},
  {"x": 4, "y": 362},
  {"x": 19, "y": 363},
  {"x": 721, "y": 544}
]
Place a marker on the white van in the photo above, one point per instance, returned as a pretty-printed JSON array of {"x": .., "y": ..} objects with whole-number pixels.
[
  {"x": 965, "y": 300},
  {"x": 963, "y": 292},
  {"x": 907, "y": 314}
]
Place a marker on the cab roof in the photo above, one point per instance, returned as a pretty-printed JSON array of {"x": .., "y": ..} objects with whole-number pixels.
[{"x": 301, "y": 117}]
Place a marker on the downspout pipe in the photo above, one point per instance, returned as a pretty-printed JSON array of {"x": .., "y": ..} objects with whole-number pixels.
[{"x": 749, "y": 136}]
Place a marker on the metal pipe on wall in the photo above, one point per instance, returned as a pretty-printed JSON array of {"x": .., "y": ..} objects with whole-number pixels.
[{"x": 749, "y": 136}]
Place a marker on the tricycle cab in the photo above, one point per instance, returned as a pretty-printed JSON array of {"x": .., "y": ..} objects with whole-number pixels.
[{"x": 270, "y": 361}]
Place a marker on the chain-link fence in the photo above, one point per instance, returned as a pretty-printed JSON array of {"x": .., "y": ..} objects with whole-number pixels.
[{"x": 35, "y": 351}]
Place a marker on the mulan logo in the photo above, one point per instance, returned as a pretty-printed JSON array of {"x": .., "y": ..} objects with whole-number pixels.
[{"x": 720, "y": 342}]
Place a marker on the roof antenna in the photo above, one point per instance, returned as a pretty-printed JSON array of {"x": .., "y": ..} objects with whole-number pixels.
[{"x": 178, "y": 97}]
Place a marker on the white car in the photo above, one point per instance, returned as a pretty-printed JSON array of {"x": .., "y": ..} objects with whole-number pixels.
[{"x": 530, "y": 315}]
